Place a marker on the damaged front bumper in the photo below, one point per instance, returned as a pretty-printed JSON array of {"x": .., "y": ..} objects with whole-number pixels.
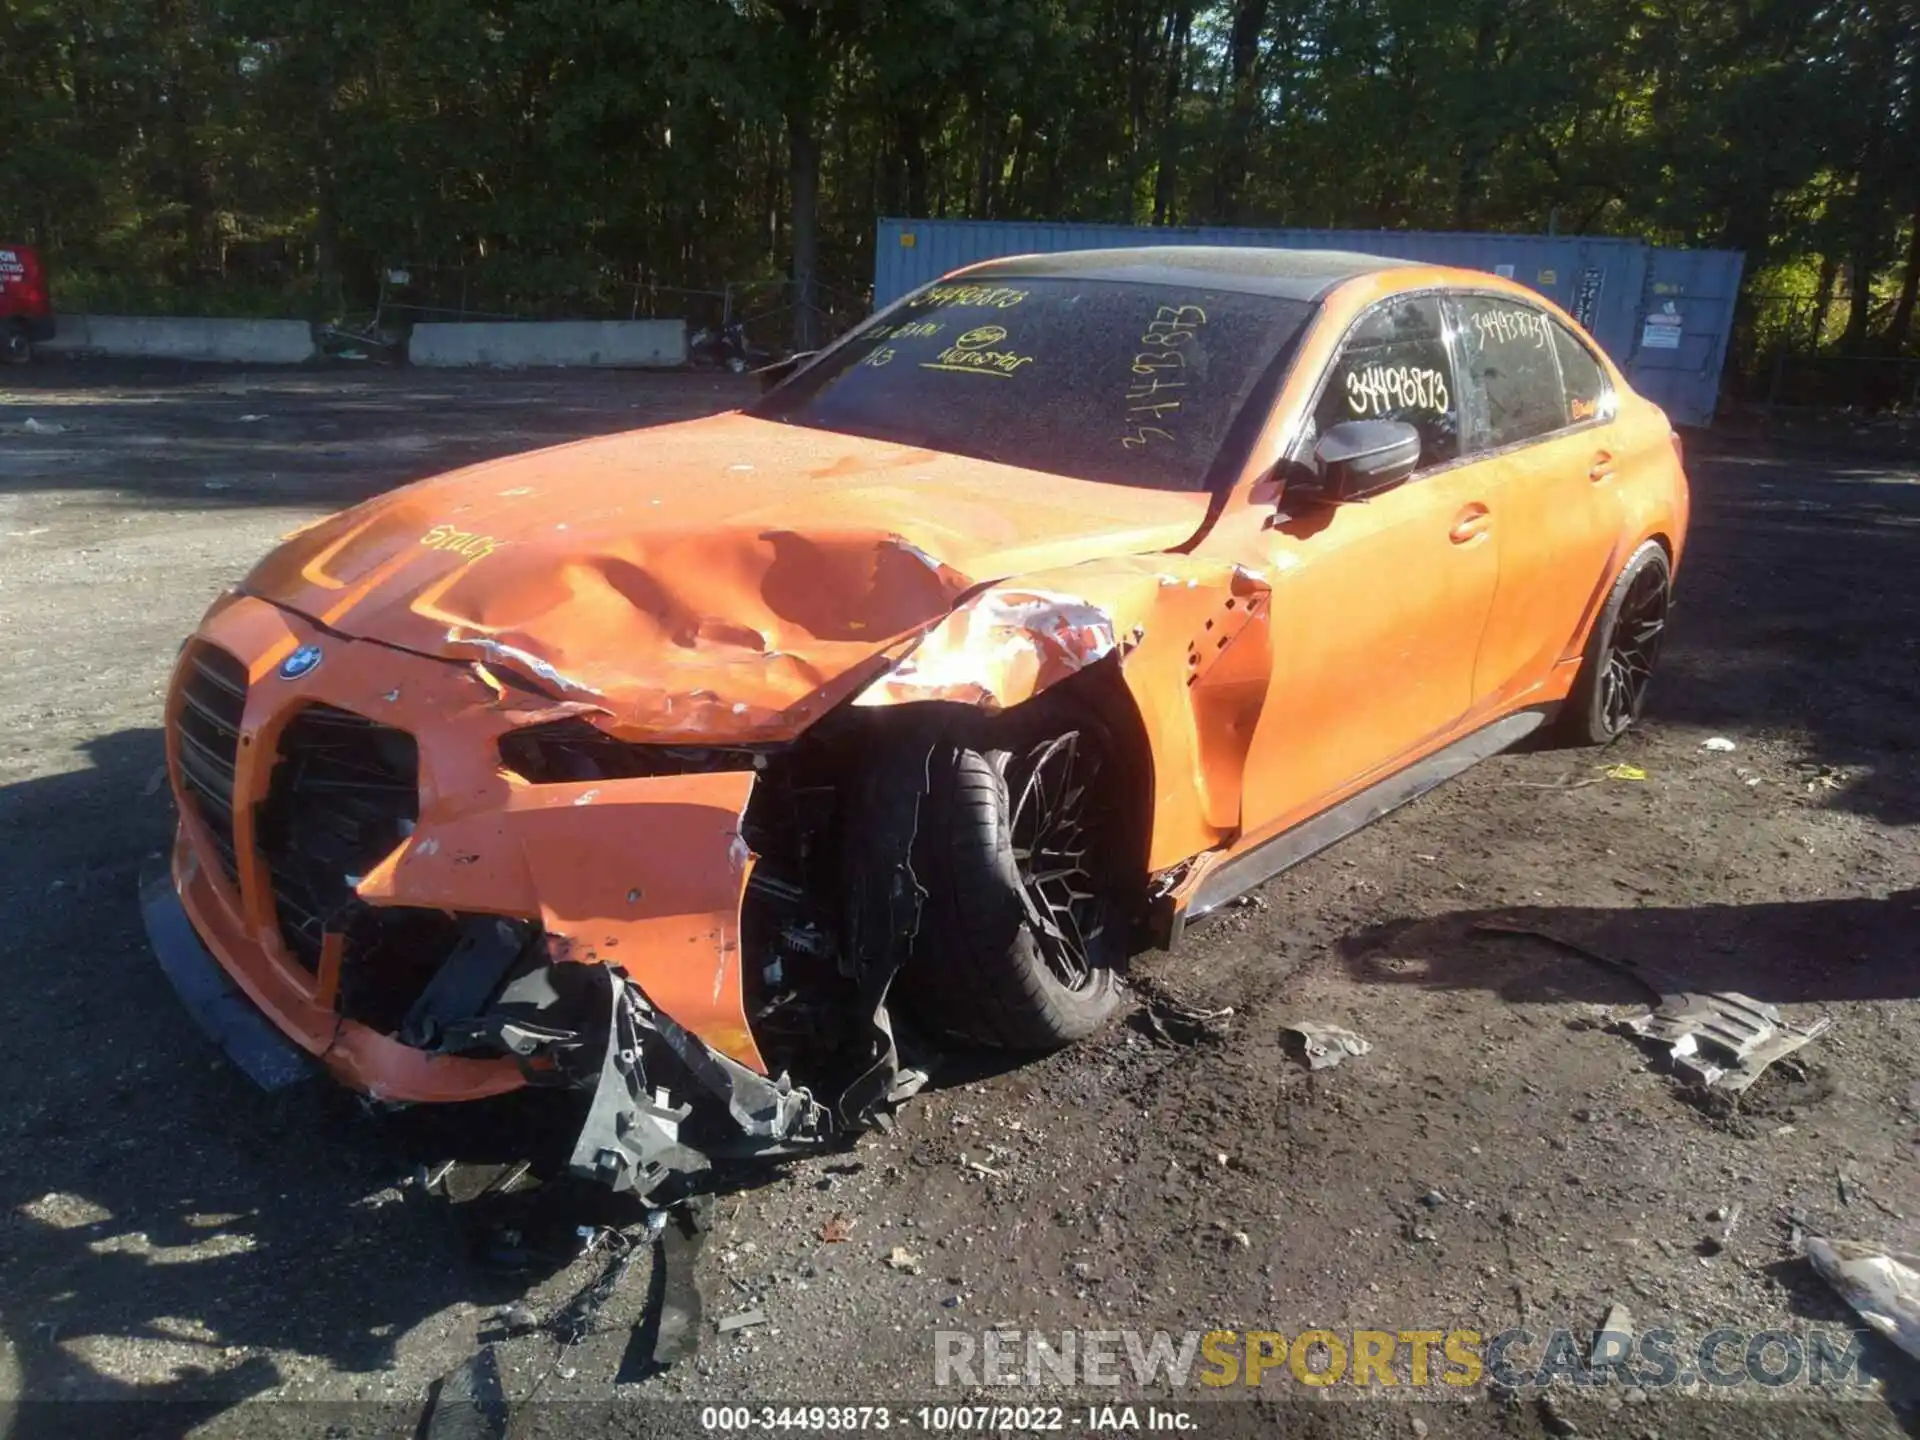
[{"x": 429, "y": 926}]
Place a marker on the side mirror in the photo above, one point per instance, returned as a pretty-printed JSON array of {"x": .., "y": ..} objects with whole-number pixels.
[
  {"x": 1358, "y": 458},
  {"x": 771, "y": 375}
]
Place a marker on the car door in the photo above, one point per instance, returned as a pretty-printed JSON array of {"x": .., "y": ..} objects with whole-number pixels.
[
  {"x": 1377, "y": 604},
  {"x": 1538, "y": 417}
]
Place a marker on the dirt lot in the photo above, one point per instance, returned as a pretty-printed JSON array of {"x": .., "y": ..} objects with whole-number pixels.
[{"x": 1499, "y": 1158}]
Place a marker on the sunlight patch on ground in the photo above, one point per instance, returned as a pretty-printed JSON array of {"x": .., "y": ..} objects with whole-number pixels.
[
  {"x": 137, "y": 1243},
  {"x": 60, "y": 1211}
]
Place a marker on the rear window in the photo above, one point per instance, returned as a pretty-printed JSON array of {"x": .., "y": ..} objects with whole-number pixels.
[
  {"x": 1104, "y": 380},
  {"x": 1588, "y": 396},
  {"x": 1513, "y": 378}
]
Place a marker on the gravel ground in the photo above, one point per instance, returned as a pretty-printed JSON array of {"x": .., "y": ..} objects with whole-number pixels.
[{"x": 1498, "y": 1158}]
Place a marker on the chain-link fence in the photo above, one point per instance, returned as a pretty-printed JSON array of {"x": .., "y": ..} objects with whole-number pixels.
[{"x": 1788, "y": 362}]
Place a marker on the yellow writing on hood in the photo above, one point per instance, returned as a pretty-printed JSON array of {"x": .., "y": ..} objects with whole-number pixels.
[{"x": 461, "y": 542}]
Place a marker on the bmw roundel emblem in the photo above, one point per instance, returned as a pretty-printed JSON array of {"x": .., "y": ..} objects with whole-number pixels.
[{"x": 301, "y": 662}]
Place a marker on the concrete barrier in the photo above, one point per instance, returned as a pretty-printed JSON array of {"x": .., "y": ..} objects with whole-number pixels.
[
  {"x": 175, "y": 337},
  {"x": 557, "y": 342}
]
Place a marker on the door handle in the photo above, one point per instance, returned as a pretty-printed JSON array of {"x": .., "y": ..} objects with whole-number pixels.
[
  {"x": 1470, "y": 523},
  {"x": 1602, "y": 467}
]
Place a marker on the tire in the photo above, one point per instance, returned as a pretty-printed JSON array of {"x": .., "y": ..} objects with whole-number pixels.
[
  {"x": 16, "y": 345},
  {"x": 1611, "y": 690},
  {"x": 987, "y": 965}
]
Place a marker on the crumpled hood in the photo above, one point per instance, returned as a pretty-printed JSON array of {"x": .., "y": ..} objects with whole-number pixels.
[{"x": 724, "y": 578}]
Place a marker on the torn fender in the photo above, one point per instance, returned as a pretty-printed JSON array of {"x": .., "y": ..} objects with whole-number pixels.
[
  {"x": 646, "y": 875},
  {"x": 1005, "y": 645},
  {"x": 1192, "y": 640}
]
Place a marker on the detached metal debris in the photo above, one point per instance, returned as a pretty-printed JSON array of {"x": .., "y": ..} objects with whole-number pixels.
[
  {"x": 1716, "y": 1039},
  {"x": 1882, "y": 1286},
  {"x": 1723, "y": 1040}
]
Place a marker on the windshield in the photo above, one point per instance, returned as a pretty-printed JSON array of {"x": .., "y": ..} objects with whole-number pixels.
[{"x": 1096, "y": 379}]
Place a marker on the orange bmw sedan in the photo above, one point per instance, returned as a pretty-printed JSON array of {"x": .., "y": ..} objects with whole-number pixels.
[{"x": 714, "y": 775}]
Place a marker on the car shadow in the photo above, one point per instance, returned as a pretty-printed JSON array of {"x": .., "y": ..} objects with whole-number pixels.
[{"x": 1785, "y": 953}]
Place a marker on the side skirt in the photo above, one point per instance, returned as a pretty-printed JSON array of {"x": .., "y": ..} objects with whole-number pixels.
[{"x": 1310, "y": 837}]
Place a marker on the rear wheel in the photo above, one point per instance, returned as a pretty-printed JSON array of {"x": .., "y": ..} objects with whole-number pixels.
[
  {"x": 1611, "y": 691},
  {"x": 1023, "y": 932},
  {"x": 16, "y": 345}
]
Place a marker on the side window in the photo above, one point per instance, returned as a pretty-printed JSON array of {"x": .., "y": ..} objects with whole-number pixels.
[
  {"x": 1589, "y": 397},
  {"x": 1512, "y": 378},
  {"x": 1395, "y": 366}
]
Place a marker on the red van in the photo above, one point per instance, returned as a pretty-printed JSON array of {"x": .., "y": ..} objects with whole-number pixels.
[{"x": 26, "y": 306}]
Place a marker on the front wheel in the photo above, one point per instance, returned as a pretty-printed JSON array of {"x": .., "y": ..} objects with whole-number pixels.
[
  {"x": 16, "y": 345},
  {"x": 1611, "y": 691},
  {"x": 1023, "y": 933}
]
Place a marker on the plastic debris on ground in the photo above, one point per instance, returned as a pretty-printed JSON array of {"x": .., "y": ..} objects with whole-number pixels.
[
  {"x": 1167, "y": 1021},
  {"x": 1624, "y": 772},
  {"x": 1324, "y": 1046},
  {"x": 469, "y": 1402},
  {"x": 1613, "y": 1341},
  {"x": 1719, "y": 744},
  {"x": 1883, "y": 1287},
  {"x": 903, "y": 1259},
  {"x": 746, "y": 1319}
]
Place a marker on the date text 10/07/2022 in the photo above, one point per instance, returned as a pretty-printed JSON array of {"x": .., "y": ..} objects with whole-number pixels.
[{"x": 947, "y": 1419}]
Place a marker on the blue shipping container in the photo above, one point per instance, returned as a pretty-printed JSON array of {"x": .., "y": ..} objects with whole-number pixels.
[{"x": 1663, "y": 315}]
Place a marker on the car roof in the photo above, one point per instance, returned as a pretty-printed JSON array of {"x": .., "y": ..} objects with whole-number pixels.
[{"x": 1288, "y": 274}]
